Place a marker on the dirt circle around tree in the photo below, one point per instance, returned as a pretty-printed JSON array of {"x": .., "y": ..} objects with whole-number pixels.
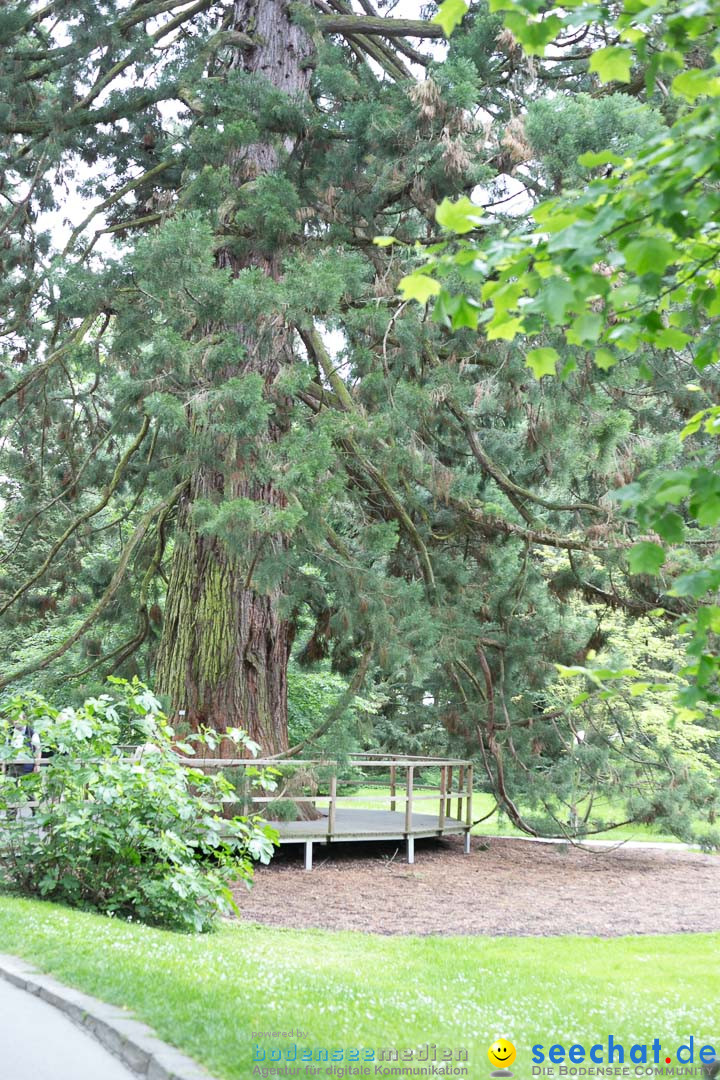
[{"x": 504, "y": 887}]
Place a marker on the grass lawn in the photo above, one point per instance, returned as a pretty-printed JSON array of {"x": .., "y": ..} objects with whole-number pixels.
[{"x": 208, "y": 994}]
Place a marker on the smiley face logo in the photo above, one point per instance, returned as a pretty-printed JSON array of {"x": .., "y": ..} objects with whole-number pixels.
[{"x": 502, "y": 1054}]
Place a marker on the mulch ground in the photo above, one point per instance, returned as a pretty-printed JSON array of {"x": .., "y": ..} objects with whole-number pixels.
[{"x": 502, "y": 887}]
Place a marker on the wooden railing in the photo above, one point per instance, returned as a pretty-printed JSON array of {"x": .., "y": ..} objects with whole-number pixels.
[{"x": 455, "y": 783}]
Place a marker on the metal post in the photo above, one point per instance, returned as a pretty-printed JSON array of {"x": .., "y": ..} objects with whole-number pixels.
[
  {"x": 308, "y": 854},
  {"x": 408, "y": 814},
  {"x": 331, "y": 810},
  {"x": 467, "y": 842},
  {"x": 408, "y": 799}
]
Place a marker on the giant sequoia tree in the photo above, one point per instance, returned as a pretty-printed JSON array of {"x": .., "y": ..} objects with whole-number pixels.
[
  {"x": 226, "y": 645},
  {"x": 227, "y": 440}
]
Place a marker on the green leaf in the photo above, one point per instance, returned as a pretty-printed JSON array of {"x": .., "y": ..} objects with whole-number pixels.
[
  {"x": 670, "y": 338},
  {"x": 670, "y": 526},
  {"x": 709, "y": 419},
  {"x": 533, "y": 34},
  {"x": 450, "y": 14},
  {"x": 461, "y": 216},
  {"x": 419, "y": 287},
  {"x": 586, "y": 328},
  {"x": 505, "y": 328},
  {"x": 612, "y": 64},
  {"x": 591, "y": 160},
  {"x": 604, "y": 359},
  {"x": 706, "y": 354},
  {"x": 650, "y": 255},
  {"x": 633, "y": 35},
  {"x": 552, "y": 219},
  {"x": 570, "y": 672},
  {"x": 694, "y": 424},
  {"x": 542, "y": 361},
  {"x": 708, "y": 510},
  {"x": 696, "y": 584},
  {"x": 673, "y": 488},
  {"x": 504, "y": 295},
  {"x": 466, "y": 314},
  {"x": 384, "y": 241},
  {"x": 568, "y": 368},
  {"x": 696, "y": 83},
  {"x": 554, "y": 299},
  {"x": 645, "y": 557}
]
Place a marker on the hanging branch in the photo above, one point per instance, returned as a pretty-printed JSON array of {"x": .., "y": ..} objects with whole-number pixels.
[
  {"x": 130, "y": 186},
  {"x": 514, "y": 491},
  {"x": 672, "y": 606},
  {"x": 493, "y": 525},
  {"x": 345, "y": 700},
  {"x": 121, "y": 653},
  {"x": 106, "y": 114},
  {"x": 82, "y": 518},
  {"x": 315, "y": 346},
  {"x": 158, "y": 35},
  {"x": 486, "y": 524},
  {"x": 55, "y": 58},
  {"x": 90, "y": 456},
  {"x": 497, "y": 778},
  {"x": 137, "y": 537},
  {"x": 380, "y": 51},
  {"x": 53, "y": 358}
]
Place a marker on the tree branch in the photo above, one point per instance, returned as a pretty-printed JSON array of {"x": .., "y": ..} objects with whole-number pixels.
[
  {"x": 135, "y": 539},
  {"x": 82, "y": 518},
  {"x": 337, "y": 709},
  {"x": 368, "y": 25}
]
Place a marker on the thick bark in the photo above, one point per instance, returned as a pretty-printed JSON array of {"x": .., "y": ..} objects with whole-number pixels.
[{"x": 224, "y": 653}]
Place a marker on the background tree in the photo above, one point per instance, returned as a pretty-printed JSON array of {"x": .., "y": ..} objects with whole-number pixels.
[{"x": 626, "y": 270}]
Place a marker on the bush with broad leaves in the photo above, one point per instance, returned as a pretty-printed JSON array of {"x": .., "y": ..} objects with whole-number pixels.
[{"x": 123, "y": 829}]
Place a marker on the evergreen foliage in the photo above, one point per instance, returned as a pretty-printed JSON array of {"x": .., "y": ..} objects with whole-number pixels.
[{"x": 229, "y": 438}]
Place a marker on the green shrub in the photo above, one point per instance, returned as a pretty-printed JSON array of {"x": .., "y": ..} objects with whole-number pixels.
[
  {"x": 142, "y": 836},
  {"x": 282, "y": 810}
]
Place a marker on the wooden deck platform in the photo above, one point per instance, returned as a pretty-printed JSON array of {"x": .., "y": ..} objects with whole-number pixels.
[
  {"x": 451, "y": 788},
  {"x": 352, "y": 825}
]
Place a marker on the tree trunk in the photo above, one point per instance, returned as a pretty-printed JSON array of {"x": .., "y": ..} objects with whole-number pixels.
[
  {"x": 225, "y": 647},
  {"x": 224, "y": 652}
]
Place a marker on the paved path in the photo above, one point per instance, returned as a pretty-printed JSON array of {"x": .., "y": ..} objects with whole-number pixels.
[{"x": 39, "y": 1043}]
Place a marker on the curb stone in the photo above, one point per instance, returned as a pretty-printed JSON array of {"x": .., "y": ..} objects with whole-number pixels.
[{"x": 133, "y": 1042}]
